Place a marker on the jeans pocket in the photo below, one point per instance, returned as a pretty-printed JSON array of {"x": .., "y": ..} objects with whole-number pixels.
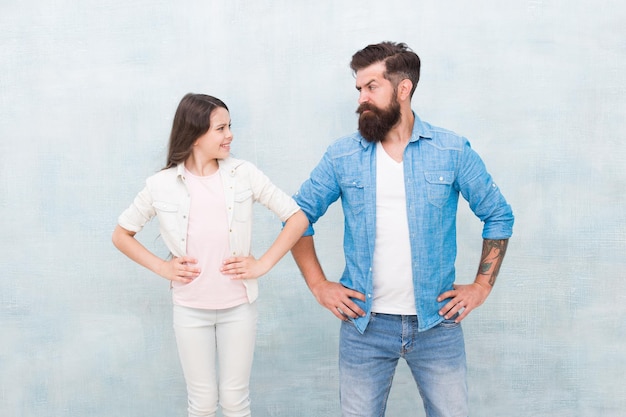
[{"x": 450, "y": 323}]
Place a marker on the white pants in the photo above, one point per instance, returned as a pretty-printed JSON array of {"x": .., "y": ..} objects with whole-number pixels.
[{"x": 211, "y": 342}]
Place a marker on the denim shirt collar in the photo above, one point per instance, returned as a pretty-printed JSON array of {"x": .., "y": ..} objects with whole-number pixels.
[{"x": 420, "y": 129}]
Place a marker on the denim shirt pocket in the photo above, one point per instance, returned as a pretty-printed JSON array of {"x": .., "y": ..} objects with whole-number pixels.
[
  {"x": 438, "y": 186},
  {"x": 353, "y": 195},
  {"x": 243, "y": 206}
]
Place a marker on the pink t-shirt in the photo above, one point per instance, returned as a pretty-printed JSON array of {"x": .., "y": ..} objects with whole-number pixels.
[{"x": 208, "y": 242}]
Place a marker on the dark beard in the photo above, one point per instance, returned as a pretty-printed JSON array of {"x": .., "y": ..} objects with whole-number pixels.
[{"x": 375, "y": 125}]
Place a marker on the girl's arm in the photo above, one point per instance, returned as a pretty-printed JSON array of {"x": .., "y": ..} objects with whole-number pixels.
[
  {"x": 247, "y": 267},
  {"x": 176, "y": 269}
]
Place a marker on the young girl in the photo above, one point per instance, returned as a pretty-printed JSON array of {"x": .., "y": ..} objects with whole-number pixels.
[{"x": 203, "y": 199}]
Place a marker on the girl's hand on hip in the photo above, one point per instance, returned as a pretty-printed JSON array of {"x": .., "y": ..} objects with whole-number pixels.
[
  {"x": 243, "y": 267},
  {"x": 181, "y": 269}
]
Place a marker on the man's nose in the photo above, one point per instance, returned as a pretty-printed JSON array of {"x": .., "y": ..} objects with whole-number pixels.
[{"x": 363, "y": 97}]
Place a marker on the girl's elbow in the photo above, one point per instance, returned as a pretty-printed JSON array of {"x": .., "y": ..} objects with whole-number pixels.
[
  {"x": 119, "y": 234},
  {"x": 300, "y": 220}
]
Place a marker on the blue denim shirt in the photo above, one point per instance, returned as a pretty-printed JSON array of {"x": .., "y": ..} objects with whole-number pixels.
[{"x": 438, "y": 165}]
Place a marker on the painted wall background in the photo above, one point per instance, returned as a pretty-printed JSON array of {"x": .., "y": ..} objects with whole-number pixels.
[{"x": 87, "y": 94}]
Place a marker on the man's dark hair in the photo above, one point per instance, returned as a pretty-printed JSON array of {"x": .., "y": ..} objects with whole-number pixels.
[{"x": 400, "y": 61}]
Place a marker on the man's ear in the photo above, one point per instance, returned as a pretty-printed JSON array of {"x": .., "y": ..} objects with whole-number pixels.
[{"x": 404, "y": 89}]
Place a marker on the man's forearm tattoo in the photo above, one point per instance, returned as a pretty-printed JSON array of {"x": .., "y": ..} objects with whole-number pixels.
[{"x": 491, "y": 259}]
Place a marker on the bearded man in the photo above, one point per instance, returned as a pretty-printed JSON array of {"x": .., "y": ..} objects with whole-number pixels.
[{"x": 399, "y": 180}]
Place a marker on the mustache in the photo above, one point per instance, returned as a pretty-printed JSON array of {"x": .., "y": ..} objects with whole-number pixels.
[{"x": 366, "y": 106}]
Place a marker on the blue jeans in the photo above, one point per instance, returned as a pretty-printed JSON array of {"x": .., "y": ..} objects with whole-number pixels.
[{"x": 367, "y": 363}]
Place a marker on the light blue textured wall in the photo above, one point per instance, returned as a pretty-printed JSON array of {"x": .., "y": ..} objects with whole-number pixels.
[{"x": 87, "y": 94}]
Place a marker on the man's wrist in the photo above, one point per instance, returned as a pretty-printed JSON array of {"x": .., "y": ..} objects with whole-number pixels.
[{"x": 484, "y": 285}]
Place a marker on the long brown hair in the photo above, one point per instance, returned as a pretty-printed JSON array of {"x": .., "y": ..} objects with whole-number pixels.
[{"x": 192, "y": 120}]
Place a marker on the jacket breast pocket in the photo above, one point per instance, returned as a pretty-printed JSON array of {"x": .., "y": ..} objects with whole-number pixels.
[
  {"x": 438, "y": 186},
  {"x": 243, "y": 206},
  {"x": 167, "y": 214}
]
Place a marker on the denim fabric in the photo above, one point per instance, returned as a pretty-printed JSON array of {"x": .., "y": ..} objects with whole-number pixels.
[
  {"x": 367, "y": 363},
  {"x": 438, "y": 166}
]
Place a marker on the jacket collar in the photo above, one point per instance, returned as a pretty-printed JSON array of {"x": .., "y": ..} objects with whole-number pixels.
[{"x": 228, "y": 165}]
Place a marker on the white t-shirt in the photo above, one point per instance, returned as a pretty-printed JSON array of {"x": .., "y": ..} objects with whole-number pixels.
[{"x": 392, "y": 271}]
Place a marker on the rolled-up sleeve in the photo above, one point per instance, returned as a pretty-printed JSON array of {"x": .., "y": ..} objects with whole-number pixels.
[
  {"x": 318, "y": 192},
  {"x": 484, "y": 196},
  {"x": 140, "y": 212}
]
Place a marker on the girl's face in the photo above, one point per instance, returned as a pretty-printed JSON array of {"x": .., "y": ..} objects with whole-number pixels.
[{"x": 215, "y": 143}]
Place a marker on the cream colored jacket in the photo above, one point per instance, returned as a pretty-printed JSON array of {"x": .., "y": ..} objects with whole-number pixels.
[{"x": 166, "y": 196}]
